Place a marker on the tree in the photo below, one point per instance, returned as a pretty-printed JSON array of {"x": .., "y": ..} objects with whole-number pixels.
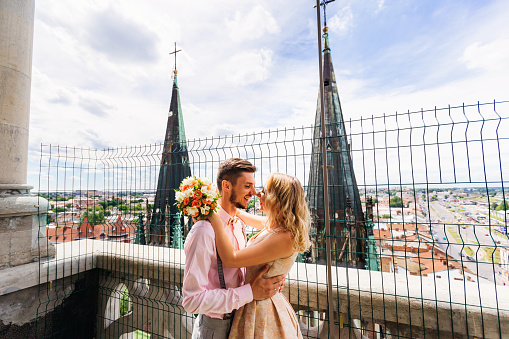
[
  {"x": 252, "y": 203},
  {"x": 396, "y": 202},
  {"x": 494, "y": 206},
  {"x": 94, "y": 215},
  {"x": 125, "y": 302},
  {"x": 503, "y": 206},
  {"x": 59, "y": 209},
  {"x": 386, "y": 216}
]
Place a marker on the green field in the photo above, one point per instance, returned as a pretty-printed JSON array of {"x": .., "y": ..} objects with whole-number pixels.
[
  {"x": 455, "y": 235},
  {"x": 141, "y": 335},
  {"x": 489, "y": 252},
  {"x": 469, "y": 251}
]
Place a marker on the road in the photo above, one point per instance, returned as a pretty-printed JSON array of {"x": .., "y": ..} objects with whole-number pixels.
[{"x": 452, "y": 238}]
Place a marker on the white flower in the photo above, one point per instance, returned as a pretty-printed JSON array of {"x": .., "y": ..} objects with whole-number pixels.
[
  {"x": 179, "y": 196},
  {"x": 188, "y": 193},
  {"x": 187, "y": 181},
  {"x": 192, "y": 210},
  {"x": 204, "y": 209},
  {"x": 210, "y": 193}
]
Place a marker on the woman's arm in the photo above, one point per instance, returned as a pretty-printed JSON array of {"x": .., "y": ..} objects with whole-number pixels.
[
  {"x": 252, "y": 220},
  {"x": 280, "y": 245}
]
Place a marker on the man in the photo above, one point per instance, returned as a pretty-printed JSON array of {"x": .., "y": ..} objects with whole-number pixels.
[{"x": 202, "y": 292}]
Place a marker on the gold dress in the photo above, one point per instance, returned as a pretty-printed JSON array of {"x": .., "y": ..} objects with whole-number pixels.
[{"x": 270, "y": 318}]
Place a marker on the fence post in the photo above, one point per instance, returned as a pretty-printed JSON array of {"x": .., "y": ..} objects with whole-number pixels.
[{"x": 330, "y": 300}]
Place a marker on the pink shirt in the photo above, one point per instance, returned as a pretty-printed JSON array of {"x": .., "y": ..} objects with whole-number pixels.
[{"x": 201, "y": 290}]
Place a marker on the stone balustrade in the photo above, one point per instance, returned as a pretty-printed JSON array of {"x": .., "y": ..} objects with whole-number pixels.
[{"x": 408, "y": 306}]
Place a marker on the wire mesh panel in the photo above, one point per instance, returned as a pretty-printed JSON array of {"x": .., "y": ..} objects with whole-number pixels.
[{"x": 428, "y": 255}]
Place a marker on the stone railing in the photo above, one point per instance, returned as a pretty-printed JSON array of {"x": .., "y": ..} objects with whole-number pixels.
[{"x": 408, "y": 306}]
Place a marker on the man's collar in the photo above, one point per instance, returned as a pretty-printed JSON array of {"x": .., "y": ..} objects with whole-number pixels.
[{"x": 225, "y": 217}]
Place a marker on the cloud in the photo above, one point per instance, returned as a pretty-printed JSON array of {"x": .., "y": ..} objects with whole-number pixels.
[
  {"x": 341, "y": 21},
  {"x": 493, "y": 56},
  {"x": 381, "y": 6},
  {"x": 253, "y": 25},
  {"x": 102, "y": 74},
  {"x": 250, "y": 67},
  {"x": 94, "y": 139},
  {"x": 63, "y": 97},
  {"x": 122, "y": 39},
  {"x": 95, "y": 107}
]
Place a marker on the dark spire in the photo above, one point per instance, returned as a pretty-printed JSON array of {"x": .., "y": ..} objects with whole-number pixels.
[
  {"x": 174, "y": 168},
  {"x": 342, "y": 185}
]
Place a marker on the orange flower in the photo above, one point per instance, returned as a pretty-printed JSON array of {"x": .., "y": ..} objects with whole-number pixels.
[
  {"x": 196, "y": 214},
  {"x": 198, "y": 194},
  {"x": 196, "y": 203},
  {"x": 186, "y": 201}
]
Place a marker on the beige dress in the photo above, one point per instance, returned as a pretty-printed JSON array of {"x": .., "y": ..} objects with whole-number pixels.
[{"x": 270, "y": 318}]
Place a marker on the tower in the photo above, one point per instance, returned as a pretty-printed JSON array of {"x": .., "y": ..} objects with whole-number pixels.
[
  {"x": 174, "y": 167},
  {"x": 346, "y": 215}
]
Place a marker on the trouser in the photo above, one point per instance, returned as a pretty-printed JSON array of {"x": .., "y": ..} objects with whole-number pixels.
[{"x": 208, "y": 328}]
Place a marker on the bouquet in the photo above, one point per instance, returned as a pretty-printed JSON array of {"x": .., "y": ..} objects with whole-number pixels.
[{"x": 197, "y": 197}]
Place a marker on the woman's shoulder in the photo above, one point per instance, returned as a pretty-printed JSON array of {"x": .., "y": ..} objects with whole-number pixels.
[{"x": 280, "y": 234}]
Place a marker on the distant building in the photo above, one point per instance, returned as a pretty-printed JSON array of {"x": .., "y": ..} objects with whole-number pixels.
[
  {"x": 409, "y": 249},
  {"x": 504, "y": 261},
  {"x": 118, "y": 231}
]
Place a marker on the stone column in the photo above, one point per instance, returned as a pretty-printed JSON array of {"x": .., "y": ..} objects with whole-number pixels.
[
  {"x": 16, "y": 39},
  {"x": 19, "y": 212}
]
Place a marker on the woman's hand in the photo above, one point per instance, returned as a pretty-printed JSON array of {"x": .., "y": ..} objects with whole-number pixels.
[{"x": 215, "y": 220}]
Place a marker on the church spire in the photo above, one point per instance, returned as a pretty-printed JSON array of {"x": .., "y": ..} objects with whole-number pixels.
[
  {"x": 174, "y": 168},
  {"x": 344, "y": 201}
]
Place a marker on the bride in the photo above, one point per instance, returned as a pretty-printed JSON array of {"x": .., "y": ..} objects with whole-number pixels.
[{"x": 284, "y": 235}]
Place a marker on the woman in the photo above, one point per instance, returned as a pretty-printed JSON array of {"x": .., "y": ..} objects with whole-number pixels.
[{"x": 284, "y": 235}]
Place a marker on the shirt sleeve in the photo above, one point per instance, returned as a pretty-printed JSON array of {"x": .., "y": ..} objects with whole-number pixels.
[{"x": 199, "y": 295}]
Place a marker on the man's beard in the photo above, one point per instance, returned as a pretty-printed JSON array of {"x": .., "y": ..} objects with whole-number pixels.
[{"x": 233, "y": 200}]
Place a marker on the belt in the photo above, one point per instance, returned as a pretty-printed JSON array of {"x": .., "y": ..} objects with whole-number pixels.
[{"x": 227, "y": 316}]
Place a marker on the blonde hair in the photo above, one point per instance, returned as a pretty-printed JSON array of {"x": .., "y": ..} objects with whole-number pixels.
[{"x": 287, "y": 208}]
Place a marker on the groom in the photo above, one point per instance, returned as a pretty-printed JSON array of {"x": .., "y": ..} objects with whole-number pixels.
[{"x": 202, "y": 292}]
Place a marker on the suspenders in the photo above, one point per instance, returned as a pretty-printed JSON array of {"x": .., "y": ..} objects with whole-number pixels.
[{"x": 220, "y": 271}]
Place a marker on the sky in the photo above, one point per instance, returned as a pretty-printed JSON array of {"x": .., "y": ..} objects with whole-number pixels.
[{"x": 102, "y": 73}]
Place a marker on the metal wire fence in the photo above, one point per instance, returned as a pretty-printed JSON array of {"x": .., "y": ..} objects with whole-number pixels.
[{"x": 438, "y": 230}]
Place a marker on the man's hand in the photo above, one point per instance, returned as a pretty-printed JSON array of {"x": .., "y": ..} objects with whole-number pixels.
[{"x": 265, "y": 288}]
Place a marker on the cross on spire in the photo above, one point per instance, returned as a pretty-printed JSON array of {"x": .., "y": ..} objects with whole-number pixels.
[
  {"x": 175, "y": 52},
  {"x": 324, "y": 5}
]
